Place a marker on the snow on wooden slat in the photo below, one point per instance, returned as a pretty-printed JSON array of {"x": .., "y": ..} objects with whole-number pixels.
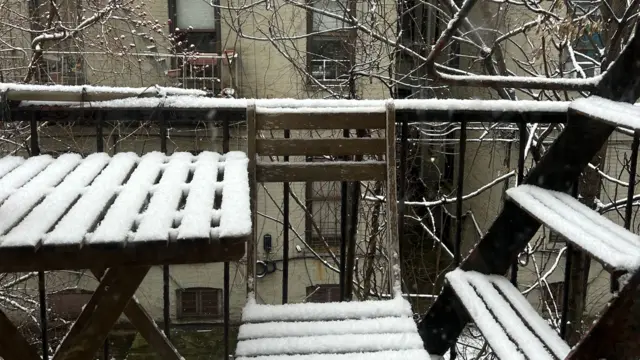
[
  {"x": 595, "y": 234},
  {"x": 158, "y": 219},
  {"x": 532, "y": 318},
  {"x": 612, "y": 112},
  {"x": 413, "y": 354},
  {"x": 8, "y": 163},
  {"x": 197, "y": 216},
  {"x": 21, "y": 175},
  {"x": 25, "y": 198},
  {"x": 325, "y": 311},
  {"x": 527, "y": 341},
  {"x": 313, "y": 328},
  {"x": 329, "y": 344},
  {"x": 492, "y": 331},
  {"x": 235, "y": 217},
  {"x": 44, "y": 216},
  {"x": 121, "y": 215},
  {"x": 79, "y": 219}
]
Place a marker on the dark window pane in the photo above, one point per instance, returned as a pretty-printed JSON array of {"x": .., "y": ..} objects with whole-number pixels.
[
  {"x": 209, "y": 301},
  {"x": 189, "y": 304},
  {"x": 329, "y": 57}
]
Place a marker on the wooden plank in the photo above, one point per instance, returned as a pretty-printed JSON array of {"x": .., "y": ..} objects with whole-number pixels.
[
  {"x": 320, "y": 121},
  {"x": 12, "y": 345},
  {"x": 334, "y": 171},
  {"x": 616, "y": 335},
  {"x": 393, "y": 246},
  {"x": 252, "y": 248},
  {"x": 319, "y": 147},
  {"x": 89, "y": 257},
  {"x": 147, "y": 327},
  {"x": 99, "y": 315}
]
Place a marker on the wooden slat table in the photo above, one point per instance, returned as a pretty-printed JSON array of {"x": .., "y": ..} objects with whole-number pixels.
[{"x": 117, "y": 216}]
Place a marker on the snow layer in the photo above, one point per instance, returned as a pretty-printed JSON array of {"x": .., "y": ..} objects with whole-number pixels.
[
  {"x": 499, "y": 314},
  {"x": 380, "y": 355},
  {"x": 599, "y": 236},
  {"x": 390, "y": 325},
  {"x": 328, "y": 344},
  {"x": 612, "y": 112},
  {"x": 235, "y": 217},
  {"x": 8, "y": 163},
  {"x": 315, "y": 105},
  {"x": 44, "y": 216},
  {"x": 21, "y": 175},
  {"x": 153, "y": 90},
  {"x": 197, "y": 215},
  {"x": 254, "y": 312},
  {"x": 75, "y": 224},
  {"x": 120, "y": 217},
  {"x": 157, "y": 220}
]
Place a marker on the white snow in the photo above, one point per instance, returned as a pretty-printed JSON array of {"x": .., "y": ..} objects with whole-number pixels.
[
  {"x": 612, "y": 112},
  {"x": 254, "y": 312},
  {"x": 21, "y": 175},
  {"x": 379, "y": 355},
  {"x": 120, "y": 217},
  {"x": 75, "y": 224},
  {"x": 317, "y": 105},
  {"x": 90, "y": 89},
  {"x": 329, "y": 344},
  {"x": 498, "y": 317},
  {"x": 197, "y": 215},
  {"x": 25, "y": 198},
  {"x": 279, "y": 329},
  {"x": 235, "y": 217},
  {"x": 34, "y": 226},
  {"x": 584, "y": 227},
  {"x": 8, "y": 163},
  {"x": 157, "y": 220}
]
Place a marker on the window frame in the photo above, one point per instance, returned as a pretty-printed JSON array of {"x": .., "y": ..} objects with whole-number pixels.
[
  {"x": 346, "y": 36},
  {"x": 199, "y": 313}
]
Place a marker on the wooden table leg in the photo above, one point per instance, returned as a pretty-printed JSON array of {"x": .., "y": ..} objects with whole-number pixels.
[
  {"x": 13, "y": 346},
  {"x": 147, "y": 327},
  {"x": 99, "y": 315}
]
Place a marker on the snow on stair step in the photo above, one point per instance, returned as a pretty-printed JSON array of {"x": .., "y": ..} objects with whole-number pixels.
[
  {"x": 277, "y": 329},
  {"x": 608, "y": 242},
  {"x": 511, "y": 326},
  {"x": 612, "y": 112},
  {"x": 416, "y": 354},
  {"x": 254, "y": 313},
  {"x": 329, "y": 344}
]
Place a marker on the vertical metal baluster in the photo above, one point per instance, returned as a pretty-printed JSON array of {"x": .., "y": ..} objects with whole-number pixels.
[
  {"x": 460, "y": 188},
  {"x": 226, "y": 273},
  {"x": 166, "y": 275},
  {"x": 285, "y": 237},
  {"x": 343, "y": 231},
  {"x": 522, "y": 131},
  {"x": 402, "y": 184}
]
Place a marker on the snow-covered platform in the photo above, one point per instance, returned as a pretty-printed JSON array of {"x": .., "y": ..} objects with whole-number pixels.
[
  {"x": 371, "y": 330},
  {"x": 73, "y": 212}
]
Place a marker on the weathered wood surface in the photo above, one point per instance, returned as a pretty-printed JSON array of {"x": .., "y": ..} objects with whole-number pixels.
[
  {"x": 13, "y": 346},
  {"x": 320, "y": 121},
  {"x": 321, "y": 171},
  {"x": 99, "y": 315},
  {"x": 320, "y": 147}
]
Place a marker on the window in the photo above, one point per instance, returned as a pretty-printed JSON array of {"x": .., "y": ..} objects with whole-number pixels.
[
  {"x": 587, "y": 46},
  {"x": 330, "y": 44},
  {"x": 554, "y": 240},
  {"x": 196, "y": 25},
  {"x": 199, "y": 303},
  {"x": 67, "y": 304},
  {"x": 323, "y": 293},
  {"x": 324, "y": 205}
]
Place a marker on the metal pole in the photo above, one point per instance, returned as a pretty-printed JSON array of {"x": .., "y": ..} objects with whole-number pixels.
[
  {"x": 166, "y": 300},
  {"x": 402, "y": 184},
  {"x": 226, "y": 271},
  {"x": 343, "y": 232},
  {"x": 460, "y": 189},
  {"x": 567, "y": 278},
  {"x": 100, "y": 148},
  {"x": 522, "y": 130},
  {"x": 285, "y": 235}
]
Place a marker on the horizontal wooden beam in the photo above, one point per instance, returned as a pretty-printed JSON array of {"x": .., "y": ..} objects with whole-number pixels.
[
  {"x": 320, "y": 121},
  {"x": 90, "y": 257},
  {"x": 319, "y": 147},
  {"x": 333, "y": 171}
]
